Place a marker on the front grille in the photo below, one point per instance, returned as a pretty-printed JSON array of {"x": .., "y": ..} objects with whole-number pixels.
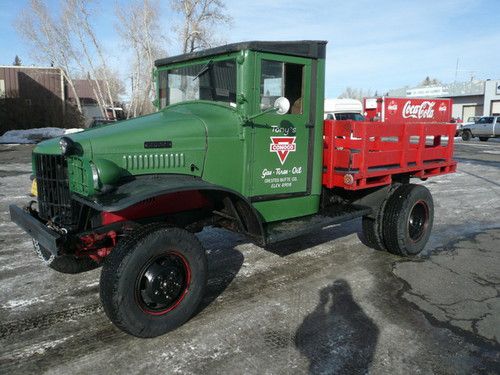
[{"x": 54, "y": 198}]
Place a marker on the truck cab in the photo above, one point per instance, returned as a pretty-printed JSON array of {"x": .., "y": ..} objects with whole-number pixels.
[{"x": 250, "y": 148}]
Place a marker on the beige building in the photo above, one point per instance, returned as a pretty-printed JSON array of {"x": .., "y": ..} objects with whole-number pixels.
[{"x": 475, "y": 98}]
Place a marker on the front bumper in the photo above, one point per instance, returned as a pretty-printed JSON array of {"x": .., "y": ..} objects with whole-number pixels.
[{"x": 46, "y": 237}]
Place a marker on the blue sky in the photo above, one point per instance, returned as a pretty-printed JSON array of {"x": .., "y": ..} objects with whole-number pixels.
[{"x": 377, "y": 45}]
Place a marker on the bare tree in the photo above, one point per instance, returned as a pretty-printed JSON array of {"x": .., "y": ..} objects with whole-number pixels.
[
  {"x": 76, "y": 16},
  {"x": 430, "y": 82},
  {"x": 68, "y": 39},
  {"x": 199, "y": 19},
  {"x": 139, "y": 27},
  {"x": 111, "y": 76},
  {"x": 49, "y": 39},
  {"x": 17, "y": 61},
  {"x": 353, "y": 93}
]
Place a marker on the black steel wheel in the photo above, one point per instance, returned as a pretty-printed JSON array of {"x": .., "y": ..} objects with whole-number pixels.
[
  {"x": 408, "y": 220},
  {"x": 162, "y": 283},
  {"x": 154, "y": 280},
  {"x": 64, "y": 263},
  {"x": 466, "y": 135}
]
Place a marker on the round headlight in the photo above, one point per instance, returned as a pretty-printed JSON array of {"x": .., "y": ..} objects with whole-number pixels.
[
  {"x": 66, "y": 145},
  {"x": 95, "y": 175}
]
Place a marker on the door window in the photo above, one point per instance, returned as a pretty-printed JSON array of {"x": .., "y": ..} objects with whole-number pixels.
[
  {"x": 485, "y": 120},
  {"x": 281, "y": 79}
]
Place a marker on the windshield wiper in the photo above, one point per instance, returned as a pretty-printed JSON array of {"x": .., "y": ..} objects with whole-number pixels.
[{"x": 203, "y": 70}]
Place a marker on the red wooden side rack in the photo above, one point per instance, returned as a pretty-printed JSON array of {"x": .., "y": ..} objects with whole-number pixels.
[{"x": 360, "y": 155}]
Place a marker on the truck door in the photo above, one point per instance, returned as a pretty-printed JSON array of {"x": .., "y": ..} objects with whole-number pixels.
[
  {"x": 280, "y": 143},
  {"x": 484, "y": 126}
]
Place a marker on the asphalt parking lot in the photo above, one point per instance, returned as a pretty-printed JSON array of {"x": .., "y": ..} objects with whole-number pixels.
[{"x": 323, "y": 303}]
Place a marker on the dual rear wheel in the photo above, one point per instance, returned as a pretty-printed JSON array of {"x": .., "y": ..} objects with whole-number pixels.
[{"x": 402, "y": 224}]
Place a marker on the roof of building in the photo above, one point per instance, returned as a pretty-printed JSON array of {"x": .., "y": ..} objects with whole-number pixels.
[
  {"x": 85, "y": 89},
  {"x": 471, "y": 88},
  {"x": 315, "y": 49},
  {"x": 29, "y": 67}
]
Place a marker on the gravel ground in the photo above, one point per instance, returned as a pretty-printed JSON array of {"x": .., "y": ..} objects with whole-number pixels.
[{"x": 322, "y": 304}]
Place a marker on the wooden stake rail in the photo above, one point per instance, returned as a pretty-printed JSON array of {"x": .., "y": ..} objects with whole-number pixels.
[{"x": 360, "y": 155}]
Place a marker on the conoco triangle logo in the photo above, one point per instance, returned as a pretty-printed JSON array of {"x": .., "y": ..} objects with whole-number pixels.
[{"x": 282, "y": 146}]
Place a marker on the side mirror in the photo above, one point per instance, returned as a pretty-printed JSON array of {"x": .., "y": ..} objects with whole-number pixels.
[{"x": 281, "y": 105}]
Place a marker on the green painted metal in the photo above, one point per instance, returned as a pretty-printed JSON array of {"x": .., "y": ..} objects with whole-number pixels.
[{"x": 275, "y": 161}]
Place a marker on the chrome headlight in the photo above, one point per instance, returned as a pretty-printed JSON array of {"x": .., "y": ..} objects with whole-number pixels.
[
  {"x": 95, "y": 175},
  {"x": 66, "y": 145}
]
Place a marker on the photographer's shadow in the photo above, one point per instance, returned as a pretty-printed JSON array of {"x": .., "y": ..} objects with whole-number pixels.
[{"x": 337, "y": 337}]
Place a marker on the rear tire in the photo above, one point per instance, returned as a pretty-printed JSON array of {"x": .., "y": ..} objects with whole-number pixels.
[
  {"x": 408, "y": 220},
  {"x": 64, "y": 263},
  {"x": 466, "y": 135},
  {"x": 154, "y": 280},
  {"x": 483, "y": 139},
  {"x": 373, "y": 233}
]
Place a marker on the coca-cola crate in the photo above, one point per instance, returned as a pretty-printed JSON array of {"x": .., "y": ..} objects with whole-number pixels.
[{"x": 387, "y": 109}]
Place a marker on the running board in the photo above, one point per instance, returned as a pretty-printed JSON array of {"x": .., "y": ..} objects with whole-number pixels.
[{"x": 284, "y": 230}]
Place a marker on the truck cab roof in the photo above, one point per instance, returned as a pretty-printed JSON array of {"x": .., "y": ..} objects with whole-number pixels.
[{"x": 314, "y": 49}]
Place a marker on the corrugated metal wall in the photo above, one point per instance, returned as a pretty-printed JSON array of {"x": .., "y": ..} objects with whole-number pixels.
[
  {"x": 34, "y": 97},
  {"x": 23, "y": 81}
]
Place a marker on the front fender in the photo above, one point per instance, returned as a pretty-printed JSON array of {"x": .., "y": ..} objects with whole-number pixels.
[{"x": 144, "y": 187}]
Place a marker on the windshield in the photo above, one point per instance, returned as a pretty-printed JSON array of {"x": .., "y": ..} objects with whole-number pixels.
[
  {"x": 215, "y": 80},
  {"x": 350, "y": 116}
]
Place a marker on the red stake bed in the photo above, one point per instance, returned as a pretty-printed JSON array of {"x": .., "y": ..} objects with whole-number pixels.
[{"x": 360, "y": 155}]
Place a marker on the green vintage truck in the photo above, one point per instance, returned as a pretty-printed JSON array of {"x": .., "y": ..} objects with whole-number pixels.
[{"x": 238, "y": 142}]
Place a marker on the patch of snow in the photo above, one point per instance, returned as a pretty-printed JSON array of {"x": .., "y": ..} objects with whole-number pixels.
[
  {"x": 34, "y": 135},
  {"x": 35, "y": 349},
  {"x": 13, "y": 304}
]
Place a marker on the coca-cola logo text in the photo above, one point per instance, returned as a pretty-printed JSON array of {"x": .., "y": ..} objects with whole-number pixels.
[{"x": 423, "y": 110}]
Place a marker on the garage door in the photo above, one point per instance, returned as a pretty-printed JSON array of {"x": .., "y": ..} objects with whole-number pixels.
[
  {"x": 468, "y": 111},
  {"x": 495, "y": 108}
]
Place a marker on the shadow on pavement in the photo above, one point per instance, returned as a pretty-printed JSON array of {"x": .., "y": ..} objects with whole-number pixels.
[
  {"x": 315, "y": 238},
  {"x": 223, "y": 266},
  {"x": 337, "y": 337}
]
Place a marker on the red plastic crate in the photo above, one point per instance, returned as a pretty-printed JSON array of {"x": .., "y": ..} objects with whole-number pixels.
[{"x": 360, "y": 155}]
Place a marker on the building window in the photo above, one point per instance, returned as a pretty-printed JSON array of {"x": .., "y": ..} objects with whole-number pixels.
[{"x": 2, "y": 88}]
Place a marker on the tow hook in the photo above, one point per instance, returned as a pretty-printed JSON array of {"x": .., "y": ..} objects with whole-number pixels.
[
  {"x": 29, "y": 208},
  {"x": 55, "y": 228}
]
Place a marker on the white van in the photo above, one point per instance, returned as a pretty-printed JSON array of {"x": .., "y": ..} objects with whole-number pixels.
[{"x": 343, "y": 109}]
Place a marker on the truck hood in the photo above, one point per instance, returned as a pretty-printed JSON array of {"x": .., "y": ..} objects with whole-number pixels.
[
  {"x": 185, "y": 131},
  {"x": 173, "y": 140}
]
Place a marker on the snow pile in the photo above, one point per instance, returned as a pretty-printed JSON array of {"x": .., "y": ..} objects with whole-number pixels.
[{"x": 34, "y": 135}]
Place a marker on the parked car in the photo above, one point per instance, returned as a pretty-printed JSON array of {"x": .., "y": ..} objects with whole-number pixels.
[
  {"x": 460, "y": 125},
  {"x": 99, "y": 121},
  {"x": 484, "y": 128}
]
